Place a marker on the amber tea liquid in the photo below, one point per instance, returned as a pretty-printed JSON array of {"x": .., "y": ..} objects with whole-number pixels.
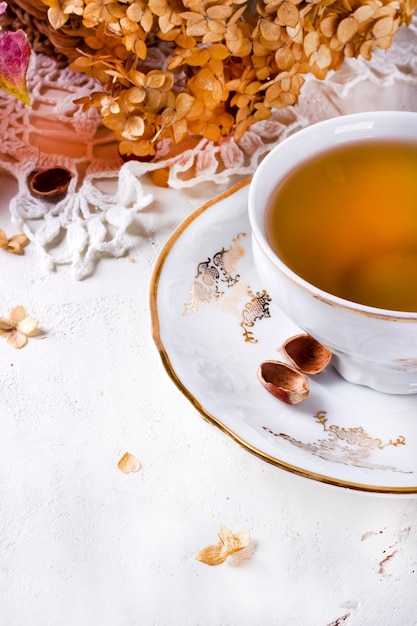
[{"x": 346, "y": 221}]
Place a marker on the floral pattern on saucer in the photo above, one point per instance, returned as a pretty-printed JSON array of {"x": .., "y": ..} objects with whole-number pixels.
[{"x": 213, "y": 324}]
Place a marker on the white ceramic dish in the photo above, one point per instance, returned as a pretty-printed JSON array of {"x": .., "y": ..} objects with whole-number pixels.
[{"x": 213, "y": 323}]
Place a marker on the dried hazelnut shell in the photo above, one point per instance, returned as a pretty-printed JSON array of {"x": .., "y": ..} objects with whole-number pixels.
[
  {"x": 306, "y": 353},
  {"x": 283, "y": 381},
  {"x": 50, "y": 183}
]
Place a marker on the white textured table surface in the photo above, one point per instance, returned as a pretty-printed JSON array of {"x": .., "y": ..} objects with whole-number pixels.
[{"x": 82, "y": 543}]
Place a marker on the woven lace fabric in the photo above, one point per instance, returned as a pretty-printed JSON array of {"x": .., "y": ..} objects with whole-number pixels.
[{"x": 105, "y": 195}]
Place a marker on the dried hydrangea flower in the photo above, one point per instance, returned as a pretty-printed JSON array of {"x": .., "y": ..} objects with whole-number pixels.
[
  {"x": 230, "y": 62},
  {"x": 14, "y": 244},
  {"x": 228, "y": 544},
  {"x": 128, "y": 463},
  {"x": 18, "y": 327}
]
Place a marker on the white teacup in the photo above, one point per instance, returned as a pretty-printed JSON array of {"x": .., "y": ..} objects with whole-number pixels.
[{"x": 371, "y": 346}]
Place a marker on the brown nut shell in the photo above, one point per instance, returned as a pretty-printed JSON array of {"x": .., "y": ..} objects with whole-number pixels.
[
  {"x": 283, "y": 381},
  {"x": 306, "y": 353},
  {"x": 50, "y": 183}
]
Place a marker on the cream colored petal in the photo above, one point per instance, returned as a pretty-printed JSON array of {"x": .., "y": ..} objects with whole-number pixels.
[
  {"x": 243, "y": 538},
  {"x": 17, "y": 339},
  {"x": 232, "y": 542},
  {"x": 17, "y": 314},
  {"x": 5, "y": 326},
  {"x": 28, "y": 326}
]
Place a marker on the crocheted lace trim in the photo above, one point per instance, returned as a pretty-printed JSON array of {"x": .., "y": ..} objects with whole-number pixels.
[{"x": 91, "y": 222}]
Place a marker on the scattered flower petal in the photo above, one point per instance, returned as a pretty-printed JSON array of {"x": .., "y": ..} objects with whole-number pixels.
[
  {"x": 18, "y": 327},
  {"x": 128, "y": 463},
  {"x": 228, "y": 544},
  {"x": 14, "y": 244}
]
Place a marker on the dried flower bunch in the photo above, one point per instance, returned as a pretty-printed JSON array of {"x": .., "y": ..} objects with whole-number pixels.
[{"x": 225, "y": 65}]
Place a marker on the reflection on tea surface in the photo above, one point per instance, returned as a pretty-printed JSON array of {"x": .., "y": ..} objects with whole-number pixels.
[{"x": 346, "y": 221}]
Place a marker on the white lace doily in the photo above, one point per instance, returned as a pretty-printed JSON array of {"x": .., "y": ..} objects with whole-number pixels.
[{"x": 89, "y": 221}]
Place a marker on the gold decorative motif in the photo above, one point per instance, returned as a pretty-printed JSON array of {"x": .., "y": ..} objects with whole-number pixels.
[
  {"x": 217, "y": 280},
  {"x": 355, "y": 436},
  {"x": 256, "y": 309},
  {"x": 214, "y": 276},
  {"x": 349, "y": 446}
]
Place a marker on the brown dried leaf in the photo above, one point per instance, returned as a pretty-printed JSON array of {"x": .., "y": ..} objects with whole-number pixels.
[{"x": 128, "y": 463}]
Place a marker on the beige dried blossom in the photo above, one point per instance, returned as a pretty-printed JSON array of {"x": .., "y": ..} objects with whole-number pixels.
[
  {"x": 231, "y": 61},
  {"x": 18, "y": 327},
  {"x": 228, "y": 544},
  {"x": 15, "y": 244}
]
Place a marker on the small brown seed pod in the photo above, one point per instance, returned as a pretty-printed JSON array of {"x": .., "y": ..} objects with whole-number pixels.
[
  {"x": 50, "y": 183},
  {"x": 283, "y": 381},
  {"x": 307, "y": 354}
]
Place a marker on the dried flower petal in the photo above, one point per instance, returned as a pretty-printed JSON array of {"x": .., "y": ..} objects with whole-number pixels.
[
  {"x": 128, "y": 463},
  {"x": 14, "y": 244},
  {"x": 18, "y": 327},
  {"x": 17, "y": 314},
  {"x": 28, "y": 326},
  {"x": 17, "y": 339},
  {"x": 212, "y": 555},
  {"x": 5, "y": 326},
  {"x": 228, "y": 544}
]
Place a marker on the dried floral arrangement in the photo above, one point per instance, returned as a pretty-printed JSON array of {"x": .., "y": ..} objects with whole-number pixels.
[{"x": 171, "y": 69}]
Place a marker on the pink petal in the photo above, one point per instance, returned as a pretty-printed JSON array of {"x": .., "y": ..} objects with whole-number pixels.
[{"x": 14, "y": 61}]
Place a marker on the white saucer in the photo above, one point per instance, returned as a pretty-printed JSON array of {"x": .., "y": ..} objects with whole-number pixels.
[{"x": 213, "y": 324}]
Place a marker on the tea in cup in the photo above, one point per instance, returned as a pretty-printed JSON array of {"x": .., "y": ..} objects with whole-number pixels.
[{"x": 333, "y": 213}]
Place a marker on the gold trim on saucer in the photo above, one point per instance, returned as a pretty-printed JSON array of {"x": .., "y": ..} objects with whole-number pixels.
[{"x": 358, "y": 434}]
